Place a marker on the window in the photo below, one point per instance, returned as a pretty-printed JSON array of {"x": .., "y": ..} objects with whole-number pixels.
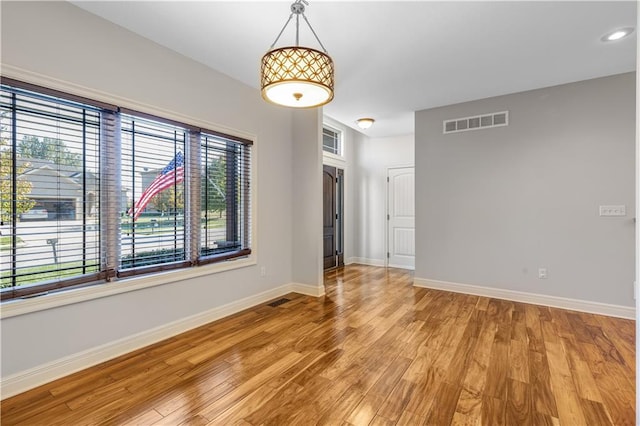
[
  {"x": 225, "y": 165},
  {"x": 152, "y": 181},
  {"x": 49, "y": 191},
  {"x": 91, "y": 192},
  {"x": 331, "y": 141}
]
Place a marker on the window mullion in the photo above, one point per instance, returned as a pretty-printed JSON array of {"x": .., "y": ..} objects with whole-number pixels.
[
  {"x": 192, "y": 183},
  {"x": 84, "y": 191},
  {"x": 110, "y": 192},
  {"x": 14, "y": 191}
]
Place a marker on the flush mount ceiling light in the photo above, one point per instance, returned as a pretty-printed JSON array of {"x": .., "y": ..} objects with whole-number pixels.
[
  {"x": 365, "y": 123},
  {"x": 296, "y": 76},
  {"x": 618, "y": 34}
]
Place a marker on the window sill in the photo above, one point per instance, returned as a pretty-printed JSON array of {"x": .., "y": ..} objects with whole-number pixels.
[{"x": 12, "y": 308}]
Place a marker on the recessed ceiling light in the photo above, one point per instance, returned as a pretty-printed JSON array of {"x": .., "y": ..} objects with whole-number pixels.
[{"x": 618, "y": 34}]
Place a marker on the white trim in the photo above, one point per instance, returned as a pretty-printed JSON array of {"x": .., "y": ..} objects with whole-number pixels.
[
  {"x": 12, "y": 308},
  {"x": 365, "y": 261},
  {"x": 307, "y": 289},
  {"x": 637, "y": 255},
  {"x": 41, "y": 374},
  {"x": 619, "y": 311},
  {"x": 408, "y": 268},
  {"x": 23, "y": 306},
  {"x": 329, "y": 159}
]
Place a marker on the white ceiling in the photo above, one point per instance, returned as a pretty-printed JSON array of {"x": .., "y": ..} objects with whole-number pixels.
[{"x": 393, "y": 58}]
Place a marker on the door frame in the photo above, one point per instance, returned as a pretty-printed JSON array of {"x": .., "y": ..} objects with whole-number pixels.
[{"x": 386, "y": 209}]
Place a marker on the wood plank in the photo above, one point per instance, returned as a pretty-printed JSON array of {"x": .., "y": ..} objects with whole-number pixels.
[
  {"x": 341, "y": 408},
  {"x": 567, "y": 400},
  {"x": 534, "y": 329},
  {"x": 410, "y": 419},
  {"x": 519, "y": 409},
  {"x": 493, "y": 411},
  {"x": 540, "y": 380},
  {"x": 397, "y": 400},
  {"x": 607, "y": 348},
  {"x": 444, "y": 405},
  {"x": 498, "y": 371},
  {"x": 222, "y": 404},
  {"x": 519, "y": 361},
  {"x": 595, "y": 412},
  {"x": 366, "y": 409},
  {"x": 470, "y": 406}
]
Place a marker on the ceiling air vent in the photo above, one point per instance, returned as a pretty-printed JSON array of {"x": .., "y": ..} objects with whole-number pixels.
[{"x": 496, "y": 119}]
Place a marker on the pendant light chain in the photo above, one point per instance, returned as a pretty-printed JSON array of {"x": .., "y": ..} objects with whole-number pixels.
[
  {"x": 281, "y": 31},
  {"x": 297, "y": 9},
  {"x": 298, "y": 29}
]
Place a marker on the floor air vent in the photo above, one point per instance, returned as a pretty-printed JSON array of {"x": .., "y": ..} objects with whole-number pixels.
[
  {"x": 279, "y": 302},
  {"x": 496, "y": 119}
]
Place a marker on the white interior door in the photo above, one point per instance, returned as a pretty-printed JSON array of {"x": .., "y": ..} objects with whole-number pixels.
[{"x": 401, "y": 220}]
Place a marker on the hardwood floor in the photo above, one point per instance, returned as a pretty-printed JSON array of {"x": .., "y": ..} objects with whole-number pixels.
[{"x": 375, "y": 351}]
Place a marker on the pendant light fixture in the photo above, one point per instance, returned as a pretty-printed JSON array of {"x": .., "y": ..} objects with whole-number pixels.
[{"x": 296, "y": 76}]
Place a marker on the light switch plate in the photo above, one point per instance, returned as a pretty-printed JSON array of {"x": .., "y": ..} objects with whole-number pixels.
[{"x": 620, "y": 210}]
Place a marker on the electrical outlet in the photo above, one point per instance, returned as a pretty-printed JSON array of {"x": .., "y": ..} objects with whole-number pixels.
[
  {"x": 542, "y": 273},
  {"x": 263, "y": 270}
]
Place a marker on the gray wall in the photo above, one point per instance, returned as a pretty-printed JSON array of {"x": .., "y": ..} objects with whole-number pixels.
[
  {"x": 68, "y": 44},
  {"x": 494, "y": 205},
  {"x": 307, "y": 193}
]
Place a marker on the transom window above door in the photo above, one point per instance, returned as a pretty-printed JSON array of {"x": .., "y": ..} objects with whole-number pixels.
[{"x": 332, "y": 141}]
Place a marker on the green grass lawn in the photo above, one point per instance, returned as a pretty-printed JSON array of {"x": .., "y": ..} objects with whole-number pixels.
[
  {"x": 160, "y": 225},
  {"x": 36, "y": 274},
  {"x": 5, "y": 242}
]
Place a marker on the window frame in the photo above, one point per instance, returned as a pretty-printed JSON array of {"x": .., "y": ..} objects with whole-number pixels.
[
  {"x": 340, "y": 141},
  {"x": 114, "y": 285},
  {"x": 246, "y": 148},
  {"x": 37, "y": 106}
]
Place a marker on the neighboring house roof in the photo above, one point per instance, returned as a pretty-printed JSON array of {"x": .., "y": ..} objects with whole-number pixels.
[
  {"x": 68, "y": 176},
  {"x": 47, "y": 182}
]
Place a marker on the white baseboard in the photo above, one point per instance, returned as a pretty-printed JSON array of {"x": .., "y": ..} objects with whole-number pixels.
[
  {"x": 408, "y": 268},
  {"x": 366, "y": 261},
  {"x": 307, "y": 289},
  {"x": 39, "y": 375},
  {"x": 619, "y": 311}
]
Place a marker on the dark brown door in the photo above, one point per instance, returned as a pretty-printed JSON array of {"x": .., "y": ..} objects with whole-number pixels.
[{"x": 329, "y": 216}]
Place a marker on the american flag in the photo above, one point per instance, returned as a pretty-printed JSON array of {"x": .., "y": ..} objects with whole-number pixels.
[{"x": 171, "y": 175}]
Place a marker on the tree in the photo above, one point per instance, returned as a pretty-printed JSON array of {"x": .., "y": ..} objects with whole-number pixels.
[
  {"x": 48, "y": 149},
  {"x": 166, "y": 200},
  {"x": 23, "y": 187},
  {"x": 214, "y": 186}
]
